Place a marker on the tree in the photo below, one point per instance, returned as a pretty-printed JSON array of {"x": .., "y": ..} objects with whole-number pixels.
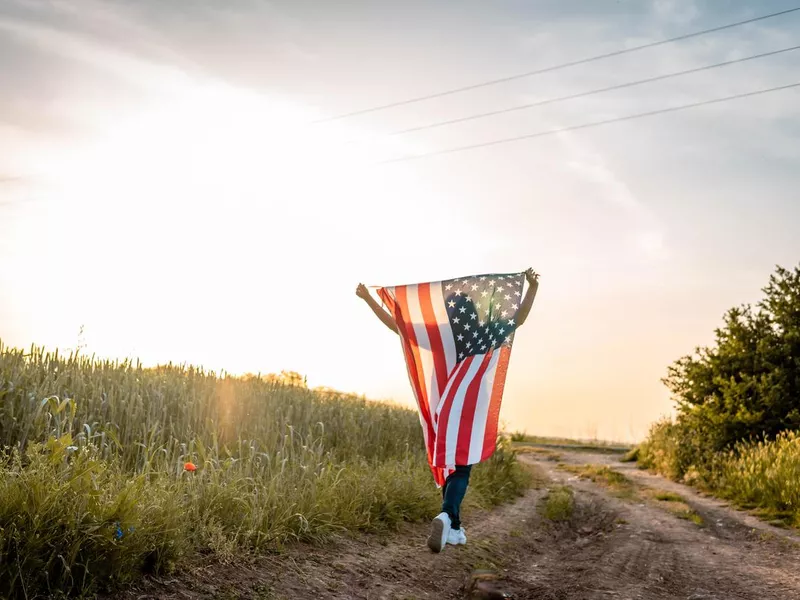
[{"x": 747, "y": 384}]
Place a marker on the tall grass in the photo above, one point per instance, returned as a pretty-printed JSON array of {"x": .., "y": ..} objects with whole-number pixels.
[
  {"x": 93, "y": 489},
  {"x": 765, "y": 475},
  {"x": 760, "y": 474}
]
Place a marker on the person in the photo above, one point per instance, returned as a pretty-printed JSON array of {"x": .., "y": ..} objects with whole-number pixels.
[{"x": 446, "y": 526}]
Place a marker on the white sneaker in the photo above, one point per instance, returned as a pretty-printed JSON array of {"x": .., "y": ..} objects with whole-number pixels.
[
  {"x": 457, "y": 537},
  {"x": 440, "y": 531}
]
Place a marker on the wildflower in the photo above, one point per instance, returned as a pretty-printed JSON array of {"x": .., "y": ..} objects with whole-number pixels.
[{"x": 189, "y": 466}]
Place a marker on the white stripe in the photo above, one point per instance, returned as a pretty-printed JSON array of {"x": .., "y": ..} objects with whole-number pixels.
[
  {"x": 425, "y": 355},
  {"x": 445, "y": 331},
  {"x": 450, "y": 383},
  {"x": 482, "y": 409},
  {"x": 454, "y": 419}
]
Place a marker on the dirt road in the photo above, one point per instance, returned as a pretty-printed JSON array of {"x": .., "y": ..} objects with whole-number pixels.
[{"x": 611, "y": 547}]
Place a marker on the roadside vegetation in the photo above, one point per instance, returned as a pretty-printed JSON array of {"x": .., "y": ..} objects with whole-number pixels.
[{"x": 737, "y": 429}]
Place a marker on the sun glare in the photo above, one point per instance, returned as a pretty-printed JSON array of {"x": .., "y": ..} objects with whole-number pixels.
[{"x": 179, "y": 233}]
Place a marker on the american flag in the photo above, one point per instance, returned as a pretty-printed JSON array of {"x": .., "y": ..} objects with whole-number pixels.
[{"x": 456, "y": 337}]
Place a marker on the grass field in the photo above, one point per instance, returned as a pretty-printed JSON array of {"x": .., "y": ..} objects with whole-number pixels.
[
  {"x": 761, "y": 476},
  {"x": 94, "y": 489}
]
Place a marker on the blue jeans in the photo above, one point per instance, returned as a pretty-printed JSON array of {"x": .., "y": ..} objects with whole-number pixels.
[{"x": 453, "y": 493}]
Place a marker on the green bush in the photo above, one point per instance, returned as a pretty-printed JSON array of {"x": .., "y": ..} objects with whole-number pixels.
[
  {"x": 747, "y": 385},
  {"x": 765, "y": 475},
  {"x": 738, "y": 404},
  {"x": 744, "y": 387},
  {"x": 558, "y": 505}
]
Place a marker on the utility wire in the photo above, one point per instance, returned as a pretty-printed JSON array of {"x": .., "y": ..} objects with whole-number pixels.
[
  {"x": 584, "y": 94},
  {"x": 587, "y": 125},
  {"x": 554, "y": 67}
]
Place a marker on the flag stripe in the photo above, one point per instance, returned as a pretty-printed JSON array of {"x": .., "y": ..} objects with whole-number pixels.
[
  {"x": 445, "y": 330},
  {"x": 443, "y": 423},
  {"x": 463, "y": 436},
  {"x": 426, "y": 361},
  {"x": 406, "y": 332},
  {"x": 434, "y": 337},
  {"x": 482, "y": 410},
  {"x": 448, "y": 433},
  {"x": 493, "y": 416}
]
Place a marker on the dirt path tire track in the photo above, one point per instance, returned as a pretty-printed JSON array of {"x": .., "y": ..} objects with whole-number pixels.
[
  {"x": 717, "y": 509},
  {"x": 656, "y": 555}
]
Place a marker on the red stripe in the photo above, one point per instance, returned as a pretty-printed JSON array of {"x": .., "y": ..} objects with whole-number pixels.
[
  {"x": 493, "y": 416},
  {"x": 434, "y": 336},
  {"x": 388, "y": 300},
  {"x": 444, "y": 416},
  {"x": 438, "y": 475},
  {"x": 468, "y": 412},
  {"x": 410, "y": 348}
]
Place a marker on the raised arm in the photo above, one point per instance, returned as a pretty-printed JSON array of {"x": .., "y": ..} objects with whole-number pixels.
[
  {"x": 530, "y": 295},
  {"x": 387, "y": 319}
]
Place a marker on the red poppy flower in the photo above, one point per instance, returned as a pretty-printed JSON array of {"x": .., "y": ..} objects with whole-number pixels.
[{"x": 189, "y": 466}]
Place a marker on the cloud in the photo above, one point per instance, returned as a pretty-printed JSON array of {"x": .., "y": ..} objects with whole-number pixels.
[
  {"x": 610, "y": 187},
  {"x": 122, "y": 65},
  {"x": 676, "y": 11}
]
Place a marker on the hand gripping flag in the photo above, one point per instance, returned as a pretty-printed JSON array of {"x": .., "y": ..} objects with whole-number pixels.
[{"x": 456, "y": 337}]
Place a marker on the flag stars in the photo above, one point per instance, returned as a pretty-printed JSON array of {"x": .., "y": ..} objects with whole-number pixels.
[{"x": 479, "y": 312}]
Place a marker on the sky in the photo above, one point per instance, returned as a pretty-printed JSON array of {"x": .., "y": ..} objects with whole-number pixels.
[{"x": 167, "y": 184}]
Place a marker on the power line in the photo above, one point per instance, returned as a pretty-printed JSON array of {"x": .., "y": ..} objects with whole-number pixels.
[
  {"x": 584, "y": 94},
  {"x": 587, "y": 125},
  {"x": 553, "y": 68}
]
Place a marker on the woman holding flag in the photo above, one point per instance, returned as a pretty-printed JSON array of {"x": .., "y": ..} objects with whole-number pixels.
[{"x": 456, "y": 337}]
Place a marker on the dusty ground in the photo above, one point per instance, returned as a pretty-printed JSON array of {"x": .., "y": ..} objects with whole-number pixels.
[{"x": 612, "y": 548}]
